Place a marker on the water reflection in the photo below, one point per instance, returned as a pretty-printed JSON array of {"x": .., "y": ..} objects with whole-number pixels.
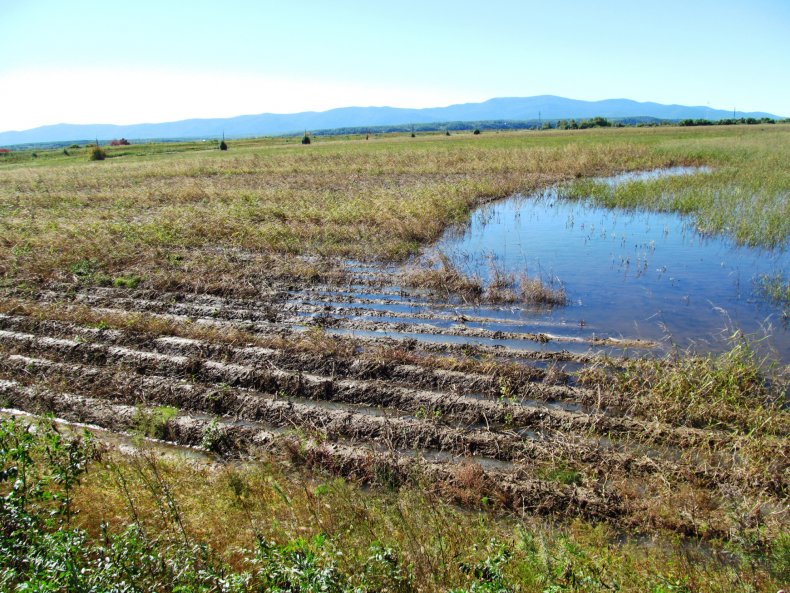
[{"x": 632, "y": 273}]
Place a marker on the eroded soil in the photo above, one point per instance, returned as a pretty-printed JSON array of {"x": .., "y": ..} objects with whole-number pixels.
[{"x": 462, "y": 403}]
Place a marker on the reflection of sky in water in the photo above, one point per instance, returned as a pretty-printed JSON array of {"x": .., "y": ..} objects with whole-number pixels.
[{"x": 635, "y": 274}]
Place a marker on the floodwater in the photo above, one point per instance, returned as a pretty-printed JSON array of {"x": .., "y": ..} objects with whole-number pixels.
[{"x": 629, "y": 274}]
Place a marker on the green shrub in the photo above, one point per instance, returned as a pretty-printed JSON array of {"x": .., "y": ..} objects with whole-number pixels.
[
  {"x": 306, "y": 139},
  {"x": 97, "y": 154}
]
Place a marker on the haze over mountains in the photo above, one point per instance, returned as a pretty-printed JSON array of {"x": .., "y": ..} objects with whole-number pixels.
[{"x": 548, "y": 107}]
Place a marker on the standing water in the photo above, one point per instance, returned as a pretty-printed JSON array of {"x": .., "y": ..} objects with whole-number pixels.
[{"x": 627, "y": 273}]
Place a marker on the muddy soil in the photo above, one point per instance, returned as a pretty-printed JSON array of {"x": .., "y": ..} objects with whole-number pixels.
[{"x": 413, "y": 398}]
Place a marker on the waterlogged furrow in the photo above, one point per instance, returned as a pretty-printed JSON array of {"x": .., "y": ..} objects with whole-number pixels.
[
  {"x": 395, "y": 431},
  {"x": 359, "y": 424},
  {"x": 272, "y": 315},
  {"x": 511, "y": 489},
  {"x": 377, "y": 385}
]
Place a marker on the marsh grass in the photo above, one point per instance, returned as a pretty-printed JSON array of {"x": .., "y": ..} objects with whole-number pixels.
[
  {"x": 442, "y": 276},
  {"x": 776, "y": 289},
  {"x": 744, "y": 196},
  {"x": 534, "y": 290}
]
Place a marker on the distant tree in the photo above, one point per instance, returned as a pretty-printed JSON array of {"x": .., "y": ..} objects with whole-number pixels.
[
  {"x": 121, "y": 142},
  {"x": 476, "y": 132},
  {"x": 305, "y": 138},
  {"x": 66, "y": 152},
  {"x": 447, "y": 132},
  {"x": 595, "y": 122}
]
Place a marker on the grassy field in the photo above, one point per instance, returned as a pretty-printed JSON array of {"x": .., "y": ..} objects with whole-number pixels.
[
  {"x": 174, "y": 215},
  {"x": 150, "y": 522},
  {"x": 173, "y": 292}
]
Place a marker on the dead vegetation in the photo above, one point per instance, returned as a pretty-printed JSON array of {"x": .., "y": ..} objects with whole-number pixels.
[{"x": 442, "y": 277}]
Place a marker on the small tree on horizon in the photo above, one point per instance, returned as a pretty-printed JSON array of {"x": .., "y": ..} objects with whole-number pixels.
[
  {"x": 223, "y": 145},
  {"x": 305, "y": 138}
]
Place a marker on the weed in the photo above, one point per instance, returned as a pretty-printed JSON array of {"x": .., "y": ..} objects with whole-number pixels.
[
  {"x": 563, "y": 474},
  {"x": 127, "y": 281},
  {"x": 153, "y": 423},
  {"x": 213, "y": 437},
  {"x": 144, "y": 523}
]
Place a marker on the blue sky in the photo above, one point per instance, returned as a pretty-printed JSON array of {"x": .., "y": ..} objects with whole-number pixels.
[{"x": 85, "y": 61}]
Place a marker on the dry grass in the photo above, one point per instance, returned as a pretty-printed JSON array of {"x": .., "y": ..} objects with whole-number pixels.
[
  {"x": 168, "y": 217},
  {"x": 533, "y": 290},
  {"x": 443, "y": 278}
]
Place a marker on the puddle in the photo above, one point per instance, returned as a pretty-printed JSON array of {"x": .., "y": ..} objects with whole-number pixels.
[{"x": 632, "y": 274}]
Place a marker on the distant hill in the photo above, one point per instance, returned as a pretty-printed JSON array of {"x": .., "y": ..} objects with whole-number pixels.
[{"x": 548, "y": 107}]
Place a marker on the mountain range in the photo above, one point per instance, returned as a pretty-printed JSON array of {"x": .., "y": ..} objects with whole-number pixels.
[{"x": 546, "y": 107}]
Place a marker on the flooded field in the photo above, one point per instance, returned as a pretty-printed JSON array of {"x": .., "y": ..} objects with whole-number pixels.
[
  {"x": 291, "y": 331},
  {"x": 632, "y": 274}
]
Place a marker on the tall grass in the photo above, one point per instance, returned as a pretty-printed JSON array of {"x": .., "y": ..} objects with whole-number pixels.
[{"x": 736, "y": 391}]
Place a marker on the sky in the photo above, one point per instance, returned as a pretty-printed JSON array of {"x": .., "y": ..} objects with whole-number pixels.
[{"x": 143, "y": 61}]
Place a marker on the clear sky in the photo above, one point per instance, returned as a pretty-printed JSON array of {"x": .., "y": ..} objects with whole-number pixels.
[{"x": 114, "y": 61}]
